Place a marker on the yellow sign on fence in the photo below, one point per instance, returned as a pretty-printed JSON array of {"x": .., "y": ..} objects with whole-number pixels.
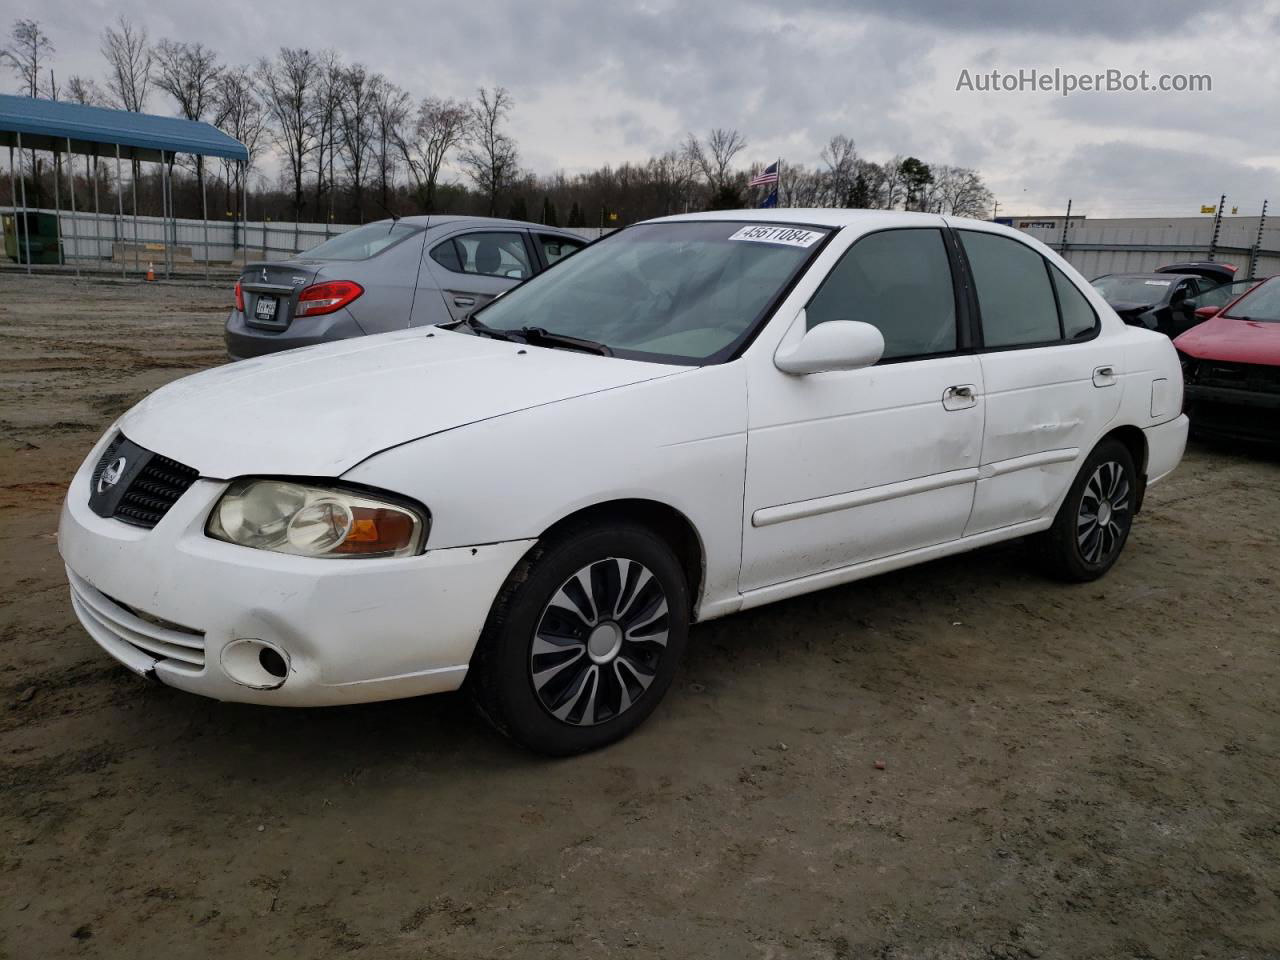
[{"x": 1209, "y": 208}]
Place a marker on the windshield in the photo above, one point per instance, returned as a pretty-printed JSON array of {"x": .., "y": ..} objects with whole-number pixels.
[
  {"x": 360, "y": 243},
  {"x": 674, "y": 292},
  {"x": 1132, "y": 289},
  {"x": 1261, "y": 304}
]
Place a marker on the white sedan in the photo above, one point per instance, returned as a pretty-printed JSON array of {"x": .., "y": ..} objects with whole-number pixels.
[{"x": 694, "y": 416}]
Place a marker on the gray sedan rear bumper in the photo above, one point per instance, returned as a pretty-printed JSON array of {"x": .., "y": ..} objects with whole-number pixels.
[{"x": 244, "y": 341}]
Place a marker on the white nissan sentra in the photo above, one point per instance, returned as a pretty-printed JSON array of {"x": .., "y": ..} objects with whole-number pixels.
[{"x": 694, "y": 416}]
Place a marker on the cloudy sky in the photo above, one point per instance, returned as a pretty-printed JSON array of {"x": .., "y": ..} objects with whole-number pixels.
[{"x": 596, "y": 82}]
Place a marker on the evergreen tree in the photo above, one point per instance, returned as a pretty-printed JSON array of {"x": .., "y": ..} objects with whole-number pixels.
[
  {"x": 519, "y": 209},
  {"x": 575, "y": 216},
  {"x": 549, "y": 212}
]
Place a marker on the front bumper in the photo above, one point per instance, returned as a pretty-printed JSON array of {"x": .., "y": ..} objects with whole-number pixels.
[
  {"x": 170, "y": 602},
  {"x": 245, "y": 340},
  {"x": 1242, "y": 414}
]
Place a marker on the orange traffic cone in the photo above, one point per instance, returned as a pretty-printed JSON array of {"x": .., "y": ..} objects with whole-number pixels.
[{"x": 151, "y": 273}]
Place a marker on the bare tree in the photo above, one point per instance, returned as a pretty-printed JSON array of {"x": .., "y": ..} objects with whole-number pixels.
[
  {"x": 715, "y": 157},
  {"x": 239, "y": 113},
  {"x": 958, "y": 192},
  {"x": 189, "y": 73},
  {"x": 439, "y": 127},
  {"x": 357, "y": 130},
  {"x": 390, "y": 110},
  {"x": 841, "y": 159},
  {"x": 490, "y": 157},
  {"x": 85, "y": 91},
  {"x": 326, "y": 97},
  {"x": 129, "y": 63},
  {"x": 286, "y": 84},
  {"x": 28, "y": 50}
]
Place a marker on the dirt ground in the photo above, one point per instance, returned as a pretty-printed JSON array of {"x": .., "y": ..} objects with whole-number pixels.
[{"x": 1078, "y": 772}]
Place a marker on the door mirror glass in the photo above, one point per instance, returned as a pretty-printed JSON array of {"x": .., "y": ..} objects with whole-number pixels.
[{"x": 834, "y": 345}]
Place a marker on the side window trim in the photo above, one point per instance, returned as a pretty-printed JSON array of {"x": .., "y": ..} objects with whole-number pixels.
[
  {"x": 960, "y": 308},
  {"x": 979, "y": 339}
]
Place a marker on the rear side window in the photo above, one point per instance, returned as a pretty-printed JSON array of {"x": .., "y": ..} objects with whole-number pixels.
[
  {"x": 1014, "y": 295},
  {"x": 486, "y": 254},
  {"x": 898, "y": 281},
  {"x": 1078, "y": 319}
]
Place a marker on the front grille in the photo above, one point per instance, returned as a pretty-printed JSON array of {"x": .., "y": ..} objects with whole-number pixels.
[
  {"x": 1253, "y": 377},
  {"x": 151, "y": 483},
  {"x": 120, "y": 629}
]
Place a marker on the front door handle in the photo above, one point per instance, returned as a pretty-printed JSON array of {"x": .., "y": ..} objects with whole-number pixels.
[
  {"x": 464, "y": 301},
  {"x": 960, "y": 397},
  {"x": 1104, "y": 376}
]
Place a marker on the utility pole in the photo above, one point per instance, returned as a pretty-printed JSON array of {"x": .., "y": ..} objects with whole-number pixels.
[
  {"x": 1217, "y": 226},
  {"x": 995, "y": 209},
  {"x": 1062, "y": 247},
  {"x": 1257, "y": 244}
]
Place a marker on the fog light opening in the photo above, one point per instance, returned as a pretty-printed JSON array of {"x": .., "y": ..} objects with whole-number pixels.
[
  {"x": 273, "y": 663},
  {"x": 255, "y": 663}
]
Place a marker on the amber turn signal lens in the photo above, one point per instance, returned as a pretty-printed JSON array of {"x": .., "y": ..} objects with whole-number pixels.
[{"x": 378, "y": 531}]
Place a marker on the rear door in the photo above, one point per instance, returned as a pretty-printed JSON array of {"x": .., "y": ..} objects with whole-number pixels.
[
  {"x": 1052, "y": 382},
  {"x": 474, "y": 266}
]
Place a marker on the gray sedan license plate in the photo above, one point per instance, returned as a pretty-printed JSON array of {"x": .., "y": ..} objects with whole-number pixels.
[{"x": 265, "y": 309}]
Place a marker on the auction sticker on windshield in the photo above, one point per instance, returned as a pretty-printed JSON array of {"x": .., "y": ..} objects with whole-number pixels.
[{"x": 790, "y": 236}]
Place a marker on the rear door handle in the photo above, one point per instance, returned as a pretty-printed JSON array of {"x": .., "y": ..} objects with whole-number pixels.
[
  {"x": 464, "y": 301},
  {"x": 960, "y": 397},
  {"x": 1104, "y": 376}
]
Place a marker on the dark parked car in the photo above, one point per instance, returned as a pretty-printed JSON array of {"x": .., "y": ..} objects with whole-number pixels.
[
  {"x": 1164, "y": 299},
  {"x": 1231, "y": 367},
  {"x": 387, "y": 275}
]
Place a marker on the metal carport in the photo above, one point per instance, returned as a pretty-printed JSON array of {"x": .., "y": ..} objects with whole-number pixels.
[{"x": 27, "y": 123}]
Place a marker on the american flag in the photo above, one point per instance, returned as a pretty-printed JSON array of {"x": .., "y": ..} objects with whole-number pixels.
[{"x": 768, "y": 175}]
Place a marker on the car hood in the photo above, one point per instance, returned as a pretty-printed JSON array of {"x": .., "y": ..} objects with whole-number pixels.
[
  {"x": 319, "y": 411},
  {"x": 1233, "y": 341}
]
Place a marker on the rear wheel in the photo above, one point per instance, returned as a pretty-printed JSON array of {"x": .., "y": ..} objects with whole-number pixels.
[
  {"x": 1093, "y": 522},
  {"x": 583, "y": 640}
]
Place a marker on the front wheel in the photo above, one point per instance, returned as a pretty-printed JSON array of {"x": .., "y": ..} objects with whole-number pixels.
[
  {"x": 1093, "y": 522},
  {"x": 583, "y": 640}
]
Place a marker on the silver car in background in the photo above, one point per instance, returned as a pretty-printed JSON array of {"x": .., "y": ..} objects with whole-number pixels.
[{"x": 387, "y": 275}]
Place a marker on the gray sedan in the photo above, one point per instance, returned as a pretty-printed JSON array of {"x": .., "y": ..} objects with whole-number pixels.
[{"x": 387, "y": 275}]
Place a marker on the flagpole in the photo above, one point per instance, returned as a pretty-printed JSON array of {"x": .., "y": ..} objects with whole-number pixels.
[{"x": 778, "y": 186}]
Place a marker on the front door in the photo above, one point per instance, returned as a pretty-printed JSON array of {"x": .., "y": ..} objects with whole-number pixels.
[{"x": 850, "y": 466}]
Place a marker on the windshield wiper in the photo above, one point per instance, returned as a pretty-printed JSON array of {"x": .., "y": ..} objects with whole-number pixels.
[
  {"x": 484, "y": 330},
  {"x": 538, "y": 336}
]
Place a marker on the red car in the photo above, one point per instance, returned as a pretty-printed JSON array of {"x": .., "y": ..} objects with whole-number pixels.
[{"x": 1231, "y": 367}]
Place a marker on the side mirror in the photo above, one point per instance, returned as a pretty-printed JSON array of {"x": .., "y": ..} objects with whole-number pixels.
[
  {"x": 1204, "y": 313},
  {"x": 834, "y": 345}
]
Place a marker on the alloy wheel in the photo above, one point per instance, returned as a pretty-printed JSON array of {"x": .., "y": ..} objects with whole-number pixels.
[
  {"x": 599, "y": 641},
  {"x": 1104, "y": 514}
]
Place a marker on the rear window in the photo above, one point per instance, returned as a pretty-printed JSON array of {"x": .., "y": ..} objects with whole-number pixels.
[{"x": 362, "y": 242}]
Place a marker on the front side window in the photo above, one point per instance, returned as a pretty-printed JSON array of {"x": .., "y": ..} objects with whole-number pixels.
[
  {"x": 486, "y": 254},
  {"x": 899, "y": 281},
  {"x": 362, "y": 242},
  {"x": 679, "y": 292},
  {"x": 556, "y": 248},
  {"x": 1015, "y": 299}
]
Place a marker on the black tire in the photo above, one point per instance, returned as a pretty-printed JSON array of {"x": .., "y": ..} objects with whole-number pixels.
[
  {"x": 1075, "y": 549},
  {"x": 508, "y": 678}
]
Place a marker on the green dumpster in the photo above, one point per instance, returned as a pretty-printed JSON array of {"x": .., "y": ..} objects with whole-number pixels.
[{"x": 42, "y": 231}]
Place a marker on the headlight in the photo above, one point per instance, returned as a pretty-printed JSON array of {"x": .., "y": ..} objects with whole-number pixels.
[{"x": 311, "y": 521}]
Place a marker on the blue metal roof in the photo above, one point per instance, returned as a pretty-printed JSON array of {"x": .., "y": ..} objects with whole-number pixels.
[{"x": 46, "y": 125}]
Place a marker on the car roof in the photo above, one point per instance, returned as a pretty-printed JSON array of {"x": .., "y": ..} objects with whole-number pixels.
[
  {"x": 814, "y": 216},
  {"x": 445, "y": 219},
  {"x": 1150, "y": 276}
]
